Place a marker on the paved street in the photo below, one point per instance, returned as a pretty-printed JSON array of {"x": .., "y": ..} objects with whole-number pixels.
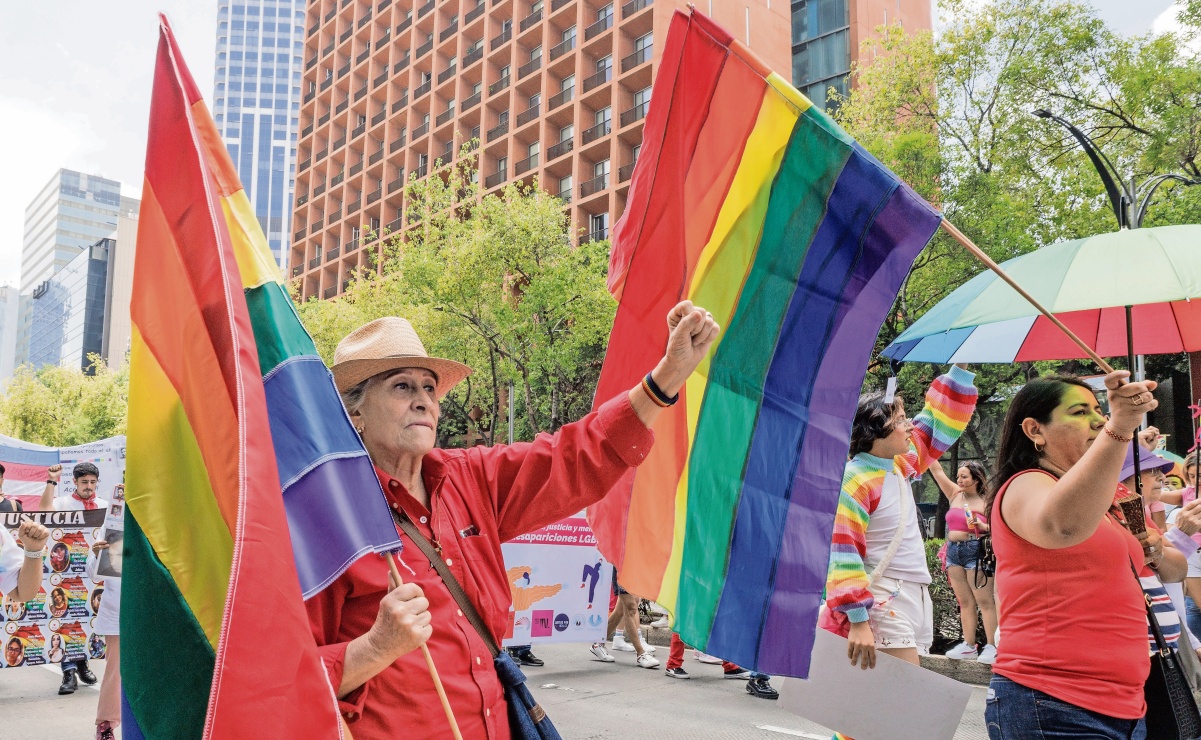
[{"x": 586, "y": 699}]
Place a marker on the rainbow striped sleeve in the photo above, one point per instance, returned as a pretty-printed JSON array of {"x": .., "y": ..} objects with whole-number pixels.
[
  {"x": 846, "y": 582},
  {"x": 949, "y": 405}
]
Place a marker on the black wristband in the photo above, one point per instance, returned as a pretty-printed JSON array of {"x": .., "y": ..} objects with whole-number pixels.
[
  {"x": 52, "y": 482},
  {"x": 657, "y": 392}
]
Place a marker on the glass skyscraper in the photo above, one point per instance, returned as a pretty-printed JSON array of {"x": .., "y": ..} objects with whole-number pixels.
[
  {"x": 257, "y": 102},
  {"x": 69, "y": 310},
  {"x": 821, "y": 47}
]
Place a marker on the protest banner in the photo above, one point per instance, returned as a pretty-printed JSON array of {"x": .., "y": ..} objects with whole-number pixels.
[
  {"x": 560, "y": 585},
  {"x": 57, "y": 623}
]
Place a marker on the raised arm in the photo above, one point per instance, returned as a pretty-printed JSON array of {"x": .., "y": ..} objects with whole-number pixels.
[
  {"x": 33, "y": 540},
  {"x": 950, "y": 403},
  {"x": 946, "y": 486},
  {"x": 540, "y": 482},
  {"x": 46, "y": 503},
  {"x": 1053, "y": 513}
]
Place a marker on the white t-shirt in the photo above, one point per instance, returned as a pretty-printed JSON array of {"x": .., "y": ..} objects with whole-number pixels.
[
  {"x": 909, "y": 564},
  {"x": 12, "y": 557},
  {"x": 70, "y": 503}
]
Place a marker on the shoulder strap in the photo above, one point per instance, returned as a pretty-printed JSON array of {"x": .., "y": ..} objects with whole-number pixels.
[
  {"x": 1152, "y": 620},
  {"x": 897, "y": 537},
  {"x": 452, "y": 584}
]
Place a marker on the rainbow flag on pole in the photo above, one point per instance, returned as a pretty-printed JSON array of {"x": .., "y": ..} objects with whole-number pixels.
[
  {"x": 751, "y": 202},
  {"x": 247, "y": 486}
]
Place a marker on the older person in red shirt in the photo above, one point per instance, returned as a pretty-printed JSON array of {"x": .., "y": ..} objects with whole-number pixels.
[{"x": 467, "y": 502}]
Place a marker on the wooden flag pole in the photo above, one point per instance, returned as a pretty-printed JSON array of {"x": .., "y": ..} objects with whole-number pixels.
[
  {"x": 979, "y": 254},
  {"x": 394, "y": 576}
]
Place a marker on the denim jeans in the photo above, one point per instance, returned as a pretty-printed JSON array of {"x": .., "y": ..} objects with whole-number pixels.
[
  {"x": 1014, "y": 712},
  {"x": 1192, "y": 615}
]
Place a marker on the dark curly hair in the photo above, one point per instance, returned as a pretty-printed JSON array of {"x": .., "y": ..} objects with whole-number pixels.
[
  {"x": 873, "y": 420},
  {"x": 84, "y": 468}
]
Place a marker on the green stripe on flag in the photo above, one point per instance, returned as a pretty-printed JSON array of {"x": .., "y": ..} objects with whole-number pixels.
[
  {"x": 277, "y": 329},
  {"x": 166, "y": 661},
  {"x": 727, "y": 420}
]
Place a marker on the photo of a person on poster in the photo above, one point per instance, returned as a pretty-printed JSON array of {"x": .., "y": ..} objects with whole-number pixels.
[
  {"x": 60, "y": 557},
  {"x": 14, "y": 652},
  {"x": 58, "y": 602},
  {"x": 56, "y": 648}
]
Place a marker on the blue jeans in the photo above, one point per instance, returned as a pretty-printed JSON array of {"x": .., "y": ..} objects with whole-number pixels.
[
  {"x": 1193, "y": 616},
  {"x": 1014, "y": 712}
]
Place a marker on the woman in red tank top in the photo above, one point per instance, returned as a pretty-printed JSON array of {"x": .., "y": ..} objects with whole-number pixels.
[{"x": 1074, "y": 655}]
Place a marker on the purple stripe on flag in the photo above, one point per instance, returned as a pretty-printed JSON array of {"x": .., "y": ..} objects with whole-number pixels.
[
  {"x": 328, "y": 532},
  {"x": 813, "y": 313},
  {"x": 129, "y": 722},
  {"x": 904, "y": 226}
]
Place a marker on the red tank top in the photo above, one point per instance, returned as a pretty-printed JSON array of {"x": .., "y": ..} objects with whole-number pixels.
[{"x": 1073, "y": 620}]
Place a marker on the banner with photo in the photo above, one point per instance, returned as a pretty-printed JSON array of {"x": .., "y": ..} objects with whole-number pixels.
[
  {"x": 25, "y": 468},
  {"x": 560, "y": 585},
  {"x": 57, "y": 623}
]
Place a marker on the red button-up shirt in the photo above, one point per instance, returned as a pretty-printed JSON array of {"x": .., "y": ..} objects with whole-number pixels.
[{"x": 500, "y": 492}]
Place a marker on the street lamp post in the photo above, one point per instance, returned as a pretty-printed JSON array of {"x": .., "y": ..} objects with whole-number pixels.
[{"x": 1129, "y": 202}]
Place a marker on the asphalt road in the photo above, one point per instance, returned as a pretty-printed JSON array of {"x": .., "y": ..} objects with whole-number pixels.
[{"x": 585, "y": 698}]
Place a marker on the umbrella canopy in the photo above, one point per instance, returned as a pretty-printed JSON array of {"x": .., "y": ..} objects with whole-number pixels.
[{"x": 1086, "y": 283}]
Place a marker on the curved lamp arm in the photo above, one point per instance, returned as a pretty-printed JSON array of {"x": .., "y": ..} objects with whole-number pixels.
[{"x": 1149, "y": 189}]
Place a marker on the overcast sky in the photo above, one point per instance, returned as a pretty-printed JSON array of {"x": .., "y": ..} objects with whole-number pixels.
[{"x": 75, "y": 89}]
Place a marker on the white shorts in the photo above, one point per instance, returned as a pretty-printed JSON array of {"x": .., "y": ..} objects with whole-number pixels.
[
  {"x": 903, "y": 615},
  {"x": 108, "y": 621}
]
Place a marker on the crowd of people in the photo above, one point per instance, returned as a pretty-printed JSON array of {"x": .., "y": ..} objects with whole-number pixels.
[{"x": 1046, "y": 551}]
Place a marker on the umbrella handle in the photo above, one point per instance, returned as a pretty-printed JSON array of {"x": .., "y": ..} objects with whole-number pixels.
[{"x": 979, "y": 254}]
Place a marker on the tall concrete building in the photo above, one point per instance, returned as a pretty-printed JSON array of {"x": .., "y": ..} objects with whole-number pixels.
[
  {"x": 70, "y": 214},
  {"x": 826, "y": 36},
  {"x": 10, "y": 322},
  {"x": 256, "y": 102},
  {"x": 556, "y": 91},
  {"x": 118, "y": 325}
]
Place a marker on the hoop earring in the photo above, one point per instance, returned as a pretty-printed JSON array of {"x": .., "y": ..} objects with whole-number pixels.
[{"x": 1039, "y": 448}]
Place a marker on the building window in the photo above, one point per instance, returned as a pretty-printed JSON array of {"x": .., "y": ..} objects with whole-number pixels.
[{"x": 566, "y": 133}]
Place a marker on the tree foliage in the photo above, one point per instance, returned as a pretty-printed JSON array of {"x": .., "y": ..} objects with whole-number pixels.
[
  {"x": 60, "y": 406},
  {"x": 494, "y": 282},
  {"x": 952, "y": 114}
]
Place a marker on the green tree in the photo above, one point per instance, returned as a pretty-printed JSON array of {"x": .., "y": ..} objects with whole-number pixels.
[
  {"x": 951, "y": 114},
  {"x": 492, "y": 281},
  {"x": 60, "y": 406}
]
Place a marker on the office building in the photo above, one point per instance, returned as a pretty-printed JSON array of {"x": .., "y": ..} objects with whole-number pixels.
[
  {"x": 256, "y": 101},
  {"x": 10, "y": 317},
  {"x": 70, "y": 213},
  {"x": 67, "y": 310},
  {"x": 827, "y": 34},
  {"x": 556, "y": 92}
]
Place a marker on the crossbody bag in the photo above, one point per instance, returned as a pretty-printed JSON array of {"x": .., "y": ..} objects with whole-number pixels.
[{"x": 527, "y": 719}]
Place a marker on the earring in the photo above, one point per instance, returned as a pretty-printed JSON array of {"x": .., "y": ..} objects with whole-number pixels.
[
  {"x": 1038, "y": 448},
  {"x": 358, "y": 431}
]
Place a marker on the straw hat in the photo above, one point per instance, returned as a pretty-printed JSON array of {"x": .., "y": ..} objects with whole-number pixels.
[{"x": 386, "y": 344}]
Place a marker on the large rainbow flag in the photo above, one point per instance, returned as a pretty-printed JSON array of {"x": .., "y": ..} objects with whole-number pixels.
[
  {"x": 246, "y": 485},
  {"x": 752, "y": 203}
]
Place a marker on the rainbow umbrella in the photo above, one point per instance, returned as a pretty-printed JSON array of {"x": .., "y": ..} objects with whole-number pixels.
[{"x": 1086, "y": 283}]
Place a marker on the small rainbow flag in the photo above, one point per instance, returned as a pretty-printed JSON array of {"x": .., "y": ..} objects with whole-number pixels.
[
  {"x": 247, "y": 486},
  {"x": 754, "y": 204}
]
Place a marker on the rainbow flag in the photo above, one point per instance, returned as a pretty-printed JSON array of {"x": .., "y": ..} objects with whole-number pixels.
[
  {"x": 246, "y": 485},
  {"x": 758, "y": 207}
]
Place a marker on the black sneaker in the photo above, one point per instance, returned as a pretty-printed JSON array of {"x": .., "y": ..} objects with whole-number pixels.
[
  {"x": 677, "y": 673},
  {"x": 761, "y": 688},
  {"x": 69, "y": 684},
  {"x": 738, "y": 673},
  {"x": 527, "y": 658}
]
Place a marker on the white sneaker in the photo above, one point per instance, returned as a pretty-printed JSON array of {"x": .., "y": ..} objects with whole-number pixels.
[
  {"x": 660, "y": 622},
  {"x": 647, "y": 648},
  {"x": 988, "y": 654},
  {"x": 962, "y": 651},
  {"x": 620, "y": 644},
  {"x": 646, "y": 660},
  {"x": 705, "y": 658},
  {"x": 598, "y": 649}
]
